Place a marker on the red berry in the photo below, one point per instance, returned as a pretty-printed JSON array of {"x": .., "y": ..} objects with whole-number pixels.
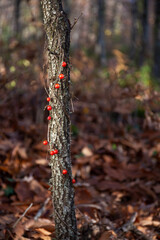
[
  {"x": 51, "y": 152},
  {"x": 64, "y": 64},
  {"x": 49, "y": 108},
  {"x": 45, "y": 142},
  {"x": 61, "y": 76},
  {"x": 73, "y": 181},
  {"x": 55, "y": 151},
  {"x": 49, "y": 117},
  {"x": 64, "y": 172},
  {"x": 48, "y": 99},
  {"x": 57, "y": 86}
]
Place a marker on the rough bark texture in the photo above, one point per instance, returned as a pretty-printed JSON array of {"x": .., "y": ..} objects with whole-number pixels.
[{"x": 57, "y": 27}]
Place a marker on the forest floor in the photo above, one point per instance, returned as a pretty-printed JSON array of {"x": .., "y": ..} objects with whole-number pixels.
[{"x": 115, "y": 151}]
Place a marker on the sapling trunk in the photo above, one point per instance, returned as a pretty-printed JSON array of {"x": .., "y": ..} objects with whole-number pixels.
[{"x": 57, "y": 28}]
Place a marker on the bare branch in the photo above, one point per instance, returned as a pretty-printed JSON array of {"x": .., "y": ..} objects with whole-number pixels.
[
  {"x": 76, "y": 20},
  {"x": 19, "y": 219}
]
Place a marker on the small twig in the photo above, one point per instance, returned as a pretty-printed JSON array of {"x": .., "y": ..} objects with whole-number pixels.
[
  {"x": 19, "y": 219},
  {"x": 139, "y": 233},
  {"x": 11, "y": 235},
  {"x": 41, "y": 210},
  {"x": 76, "y": 20},
  {"x": 129, "y": 226},
  {"x": 72, "y": 105}
]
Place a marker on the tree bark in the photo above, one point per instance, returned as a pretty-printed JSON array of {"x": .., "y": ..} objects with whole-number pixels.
[
  {"x": 134, "y": 11},
  {"x": 157, "y": 39},
  {"x": 101, "y": 44},
  {"x": 57, "y": 28},
  {"x": 17, "y": 15},
  {"x": 145, "y": 31}
]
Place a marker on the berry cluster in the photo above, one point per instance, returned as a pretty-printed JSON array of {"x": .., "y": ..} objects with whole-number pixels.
[{"x": 49, "y": 108}]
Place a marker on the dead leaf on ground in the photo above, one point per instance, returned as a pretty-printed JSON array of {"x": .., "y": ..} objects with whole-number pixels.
[
  {"x": 109, "y": 235},
  {"x": 23, "y": 191},
  {"x": 19, "y": 151},
  {"x": 7, "y": 220},
  {"x": 109, "y": 185},
  {"x": 157, "y": 188},
  {"x": 86, "y": 151},
  {"x": 40, "y": 223},
  {"x": 42, "y": 161}
]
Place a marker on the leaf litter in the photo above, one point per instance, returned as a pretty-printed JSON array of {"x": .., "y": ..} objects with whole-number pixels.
[{"x": 115, "y": 157}]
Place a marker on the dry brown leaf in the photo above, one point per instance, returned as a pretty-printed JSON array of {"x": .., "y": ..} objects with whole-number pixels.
[
  {"x": 117, "y": 174},
  {"x": 6, "y": 169},
  {"x": 6, "y": 145},
  {"x": 40, "y": 223},
  {"x": 109, "y": 235},
  {"x": 19, "y": 231},
  {"x": 6, "y": 220},
  {"x": 87, "y": 152},
  {"x": 36, "y": 235},
  {"x": 23, "y": 191},
  {"x": 157, "y": 188},
  {"x": 43, "y": 231},
  {"x": 148, "y": 221},
  {"x": 108, "y": 159},
  {"x": 42, "y": 161},
  {"x": 37, "y": 188},
  {"x": 19, "y": 151},
  {"x": 89, "y": 209},
  {"x": 83, "y": 195},
  {"x": 85, "y": 172},
  {"x": 109, "y": 185}
]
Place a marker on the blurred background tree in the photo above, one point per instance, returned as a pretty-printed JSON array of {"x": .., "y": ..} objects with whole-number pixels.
[{"x": 104, "y": 26}]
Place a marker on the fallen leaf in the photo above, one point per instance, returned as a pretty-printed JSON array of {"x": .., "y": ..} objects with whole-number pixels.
[
  {"x": 109, "y": 185},
  {"x": 109, "y": 235},
  {"x": 23, "y": 191},
  {"x": 42, "y": 161},
  {"x": 86, "y": 151},
  {"x": 19, "y": 151},
  {"x": 157, "y": 188},
  {"x": 40, "y": 223},
  {"x": 43, "y": 231}
]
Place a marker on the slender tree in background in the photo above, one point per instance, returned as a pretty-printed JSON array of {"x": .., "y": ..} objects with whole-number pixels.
[
  {"x": 57, "y": 28},
  {"x": 17, "y": 15},
  {"x": 157, "y": 39},
  {"x": 134, "y": 11},
  {"x": 101, "y": 43},
  {"x": 144, "y": 31}
]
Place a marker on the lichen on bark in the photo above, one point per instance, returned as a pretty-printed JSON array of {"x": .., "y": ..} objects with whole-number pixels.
[{"x": 57, "y": 28}]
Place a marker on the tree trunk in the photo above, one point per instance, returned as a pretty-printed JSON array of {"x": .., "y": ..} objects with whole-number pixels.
[
  {"x": 151, "y": 12},
  {"x": 134, "y": 11},
  {"x": 145, "y": 32},
  {"x": 57, "y": 27},
  {"x": 67, "y": 6},
  {"x": 17, "y": 14},
  {"x": 157, "y": 39},
  {"x": 101, "y": 44}
]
